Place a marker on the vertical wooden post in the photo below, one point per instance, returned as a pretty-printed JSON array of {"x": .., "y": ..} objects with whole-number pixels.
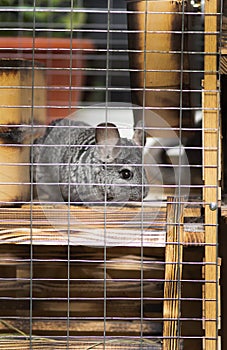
[
  {"x": 22, "y": 95},
  {"x": 173, "y": 274},
  {"x": 210, "y": 173}
]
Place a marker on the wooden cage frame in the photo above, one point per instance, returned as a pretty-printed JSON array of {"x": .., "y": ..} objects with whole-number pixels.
[{"x": 173, "y": 216}]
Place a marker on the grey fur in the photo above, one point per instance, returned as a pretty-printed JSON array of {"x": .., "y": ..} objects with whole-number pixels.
[{"x": 92, "y": 160}]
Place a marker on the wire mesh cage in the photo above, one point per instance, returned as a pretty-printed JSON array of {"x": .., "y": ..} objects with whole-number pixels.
[{"x": 111, "y": 168}]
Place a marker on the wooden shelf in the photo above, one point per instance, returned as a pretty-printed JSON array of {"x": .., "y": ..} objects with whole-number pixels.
[
  {"x": 96, "y": 226},
  {"x": 97, "y": 344}
]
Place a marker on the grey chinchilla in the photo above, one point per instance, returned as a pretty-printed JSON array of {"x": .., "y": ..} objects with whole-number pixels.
[{"x": 79, "y": 163}]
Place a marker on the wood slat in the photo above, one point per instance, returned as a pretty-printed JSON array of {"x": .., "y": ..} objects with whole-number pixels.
[
  {"x": 211, "y": 172},
  {"x": 97, "y": 344},
  {"x": 77, "y": 326},
  {"x": 82, "y": 225},
  {"x": 173, "y": 276},
  {"x": 95, "y": 226},
  {"x": 42, "y": 216},
  {"x": 86, "y": 289}
]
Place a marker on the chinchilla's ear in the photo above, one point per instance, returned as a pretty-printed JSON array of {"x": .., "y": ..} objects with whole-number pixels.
[
  {"x": 139, "y": 136},
  {"x": 107, "y": 138}
]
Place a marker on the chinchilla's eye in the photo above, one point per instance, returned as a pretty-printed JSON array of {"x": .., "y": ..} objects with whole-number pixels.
[{"x": 126, "y": 174}]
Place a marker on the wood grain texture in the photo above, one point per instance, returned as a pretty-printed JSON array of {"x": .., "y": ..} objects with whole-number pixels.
[
  {"x": 97, "y": 344},
  {"x": 23, "y": 92},
  {"x": 22, "y": 103},
  {"x": 173, "y": 277},
  {"x": 49, "y": 282},
  {"x": 223, "y": 61},
  {"x": 95, "y": 226},
  {"x": 210, "y": 172},
  {"x": 154, "y": 43}
]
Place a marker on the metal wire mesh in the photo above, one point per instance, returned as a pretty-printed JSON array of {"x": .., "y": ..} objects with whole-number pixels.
[{"x": 110, "y": 170}]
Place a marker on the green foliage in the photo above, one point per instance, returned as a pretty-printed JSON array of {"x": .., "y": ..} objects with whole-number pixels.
[{"x": 58, "y": 15}]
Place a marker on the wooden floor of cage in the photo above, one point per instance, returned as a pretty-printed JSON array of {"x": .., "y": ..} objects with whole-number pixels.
[{"x": 127, "y": 291}]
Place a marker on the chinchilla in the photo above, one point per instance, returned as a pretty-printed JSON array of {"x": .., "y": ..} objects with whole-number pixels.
[{"x": 79, "y": 163}]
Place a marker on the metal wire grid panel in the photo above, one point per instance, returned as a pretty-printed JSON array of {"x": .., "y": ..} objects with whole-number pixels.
[{"x": 108, "y": 242}]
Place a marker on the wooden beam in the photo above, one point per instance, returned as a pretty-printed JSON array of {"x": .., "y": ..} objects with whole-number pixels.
[
  {"x": 210, "y": 172},
  {"x": 173, "y": 276},
  {"x": 50, "y": 225},
  {"x": 60, "y": 326},
  {"x": 97, "y": 343}
]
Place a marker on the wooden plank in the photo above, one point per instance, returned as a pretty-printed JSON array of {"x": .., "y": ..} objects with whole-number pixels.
[
  {"x": 97, "y": 343},
  {"x": 193, "y": 211},
  {"x": 54, "y": 290},
  {"x": 77, "y": 326},
  {"x": 80, "y": 237},
  {"x": 62, "y": 216},
  {"x": 210, "y": 171},
  {"x": 78, "y": 225},
  {"x": 43, "y": 216},
  {"x": 82, "y": 225},
  {"x": 22, "y": 96},
  {"x": 173, "y": 275}
]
